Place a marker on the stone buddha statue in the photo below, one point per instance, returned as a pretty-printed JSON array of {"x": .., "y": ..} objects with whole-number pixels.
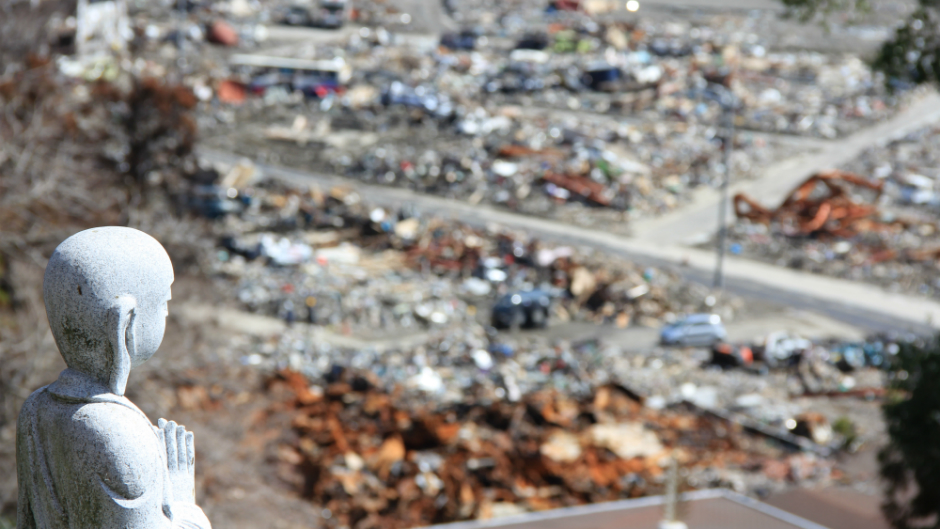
[{"x": 86, "y": 456}]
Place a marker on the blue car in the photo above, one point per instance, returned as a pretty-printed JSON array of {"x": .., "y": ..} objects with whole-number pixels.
[{"x": 695, "y": 329}]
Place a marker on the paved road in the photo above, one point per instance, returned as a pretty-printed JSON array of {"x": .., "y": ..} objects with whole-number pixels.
[
  {"x": 744, "y": 328},
  {"x": 856, "y": 304},
  {"x": 279, "y": 34}
]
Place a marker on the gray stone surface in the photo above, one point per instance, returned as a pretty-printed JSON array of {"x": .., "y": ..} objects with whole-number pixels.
[{"x": 86, "y": 456}]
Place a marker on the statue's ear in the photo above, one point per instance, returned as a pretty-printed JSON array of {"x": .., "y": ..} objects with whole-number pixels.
[{"x": 121, "y": 327}]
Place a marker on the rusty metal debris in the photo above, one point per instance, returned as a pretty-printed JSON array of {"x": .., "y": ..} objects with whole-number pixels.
[
  {"x": 581, "y": 186},
  {"x": 376, "y": 460},
  {"x": 520, "y": 151},
  {"x": 824, "y": 204},
  {"x": 900, "y": 253}
]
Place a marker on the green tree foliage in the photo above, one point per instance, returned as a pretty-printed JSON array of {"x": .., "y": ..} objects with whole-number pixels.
[
  {"x": 912, "y": 56},
  {"x": 914, "y": 53},
  {"x": 910, "y": 463}
]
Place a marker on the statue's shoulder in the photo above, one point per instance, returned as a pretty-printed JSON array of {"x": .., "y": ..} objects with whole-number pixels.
[
  {"x": 118, "y": 444},
  {"x": 110, "y": 442},
  {"x": 115, "y": 427}
]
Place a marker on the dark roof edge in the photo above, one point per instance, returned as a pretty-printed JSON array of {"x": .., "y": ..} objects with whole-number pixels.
[{"x": 636, "y": 503}]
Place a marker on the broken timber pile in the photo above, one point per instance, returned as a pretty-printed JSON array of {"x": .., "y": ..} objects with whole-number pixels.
[{"x": 374, "y": 460}]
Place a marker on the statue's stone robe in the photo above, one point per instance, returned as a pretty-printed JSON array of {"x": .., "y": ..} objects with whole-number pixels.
[{"x": 87, "y": 458}]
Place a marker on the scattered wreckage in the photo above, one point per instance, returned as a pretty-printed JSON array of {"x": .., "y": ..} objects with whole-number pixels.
[{"x": 822, "y": 205}]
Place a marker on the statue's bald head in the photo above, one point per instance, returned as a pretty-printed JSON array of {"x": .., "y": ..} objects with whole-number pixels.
[{"x": 106, "y": 291}]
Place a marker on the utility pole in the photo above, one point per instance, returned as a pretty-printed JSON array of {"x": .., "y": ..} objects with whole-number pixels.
[
  {"x": 181, "y": 37},
  {"x": 728, "y": 105},
  {"x": 671, "y": 504}
]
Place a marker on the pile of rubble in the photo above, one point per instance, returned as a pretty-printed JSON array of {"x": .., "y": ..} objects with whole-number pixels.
[
  {"x": 668, "y": 66},
  {"x": 574, "y": 169},
  {"x": 907, "y": 166},
  {"x": 666, "y": 73},
  {"x": 472, "y": 425},
  {"x": 372, "y": 461},
  {"x": 329, "y": 259}
]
